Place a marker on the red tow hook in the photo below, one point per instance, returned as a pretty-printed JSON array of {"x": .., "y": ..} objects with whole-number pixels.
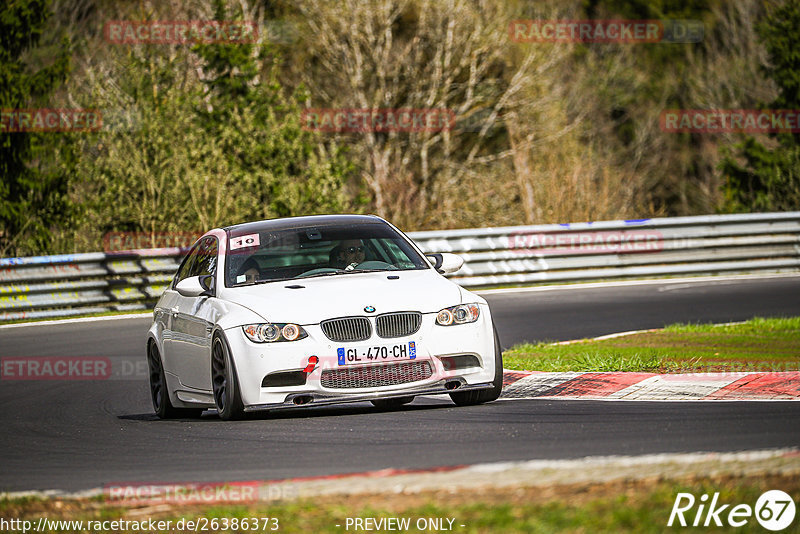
[{"x": 312, "y": 364}]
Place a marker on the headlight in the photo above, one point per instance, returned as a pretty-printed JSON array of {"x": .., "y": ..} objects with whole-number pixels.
[
  {"x": 271, "y": 332},
  {"x": 464, "y": 313}
]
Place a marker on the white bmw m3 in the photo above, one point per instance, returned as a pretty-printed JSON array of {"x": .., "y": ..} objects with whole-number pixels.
[{"x": 309, "y": 311}]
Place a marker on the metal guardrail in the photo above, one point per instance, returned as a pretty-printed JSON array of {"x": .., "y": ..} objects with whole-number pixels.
[{"x": 64, "y": 285}]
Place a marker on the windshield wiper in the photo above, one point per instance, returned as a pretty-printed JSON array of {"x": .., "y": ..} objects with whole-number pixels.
[
  {"x": 267, "y": 281},
  {"x": 329, "y": 273}
]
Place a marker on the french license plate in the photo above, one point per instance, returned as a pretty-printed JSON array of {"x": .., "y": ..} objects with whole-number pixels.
[{"x": 377, "y": 353}]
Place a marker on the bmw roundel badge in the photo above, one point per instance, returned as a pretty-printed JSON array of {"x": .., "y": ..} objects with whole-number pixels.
[{"x": 369, "y": 309}]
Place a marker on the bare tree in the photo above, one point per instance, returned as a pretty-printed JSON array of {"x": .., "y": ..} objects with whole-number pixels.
[{"x": 453, "y": 55}]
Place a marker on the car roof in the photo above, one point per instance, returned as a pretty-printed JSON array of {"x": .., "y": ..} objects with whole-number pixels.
[{"x": 305, "y": 221}]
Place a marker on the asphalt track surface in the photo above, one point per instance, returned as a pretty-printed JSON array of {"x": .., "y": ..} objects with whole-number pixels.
[{"x": 74, "y": 435}]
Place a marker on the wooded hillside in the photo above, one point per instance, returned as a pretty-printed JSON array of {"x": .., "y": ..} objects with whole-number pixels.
[{"x": 200, "y": 132}]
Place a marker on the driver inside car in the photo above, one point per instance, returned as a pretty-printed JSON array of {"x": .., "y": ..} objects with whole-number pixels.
[
  {"x": 248, "y": 272},
  {"x": 348, "y": 254}
]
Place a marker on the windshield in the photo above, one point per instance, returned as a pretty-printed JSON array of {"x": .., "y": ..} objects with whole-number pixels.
[{"x": 266, "y": 255}]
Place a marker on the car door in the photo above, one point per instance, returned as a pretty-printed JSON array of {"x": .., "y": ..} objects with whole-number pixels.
[
  {"x": 193, "y": 320},
  {"x": 167, "y": 313}
]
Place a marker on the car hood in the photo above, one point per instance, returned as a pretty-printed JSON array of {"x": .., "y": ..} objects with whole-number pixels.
[{"x": 320, "y": 298}]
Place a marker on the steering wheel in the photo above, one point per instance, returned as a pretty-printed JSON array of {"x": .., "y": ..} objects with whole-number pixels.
[{"x": 319, "y": 270}]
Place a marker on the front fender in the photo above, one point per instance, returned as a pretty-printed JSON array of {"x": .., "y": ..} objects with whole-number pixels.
[{"x": 232, "y": 315}]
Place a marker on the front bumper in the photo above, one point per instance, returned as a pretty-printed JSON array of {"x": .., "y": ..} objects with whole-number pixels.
[
  {"x": 320, "y": 399},
  {"x": 436, "y": 345}
]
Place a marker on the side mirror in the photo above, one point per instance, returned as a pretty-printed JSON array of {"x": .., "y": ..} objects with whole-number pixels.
[
  {"x": 196, "y": 286},
  {"x": 446, "y": 262}
]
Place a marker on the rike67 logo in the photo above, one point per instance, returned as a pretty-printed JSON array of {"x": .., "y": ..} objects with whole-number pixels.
[{"x": 774, "y": 510}]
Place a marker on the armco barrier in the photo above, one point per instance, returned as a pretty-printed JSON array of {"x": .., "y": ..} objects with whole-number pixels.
[{"x": 59, "y": 286}]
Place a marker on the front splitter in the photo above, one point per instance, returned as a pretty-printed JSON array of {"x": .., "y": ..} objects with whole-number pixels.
[{"x": 322, "y": 399}]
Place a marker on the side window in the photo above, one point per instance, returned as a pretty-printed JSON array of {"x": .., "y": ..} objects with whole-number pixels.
[
  {"x": 186, "y": 266},
  {"x": 206, "y": 259},
  {"x": 202, "y": 259}
]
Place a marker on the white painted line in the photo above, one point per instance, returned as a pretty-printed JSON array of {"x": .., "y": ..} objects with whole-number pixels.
[
  {"x": 590, "y": 462},
  {"x": 677, "y": 387},
  {"x": 607, "y": 336},
  {"x": 633, "y": 332},
  {"x": 144, "y": 314},
  {"x": 623, "y": 283},
  {"x": 526, "y": 473}
]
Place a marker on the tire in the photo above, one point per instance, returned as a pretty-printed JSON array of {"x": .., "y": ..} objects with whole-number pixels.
[
  {"x": 158, "y": 389},
  {"x": 479, "y": 396},
  {"x": 388, "y": 404},
  {"x": 227, "y": 397}
]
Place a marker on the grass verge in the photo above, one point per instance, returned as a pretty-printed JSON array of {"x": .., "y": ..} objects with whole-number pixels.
[
  {"x": 755, "y": 345},
  {"x": 640, "y": 506}
]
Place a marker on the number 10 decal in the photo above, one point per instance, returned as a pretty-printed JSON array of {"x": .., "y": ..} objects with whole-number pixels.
[{"x": 244, "y": 241}]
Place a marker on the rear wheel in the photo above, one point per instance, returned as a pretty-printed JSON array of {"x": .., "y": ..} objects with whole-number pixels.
[
  {"x": 158, "y": 389},
  {"x": 396, "y": 402},
  {"x": 479, "y": 396},
  {"x": 224, "y": 382}
]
